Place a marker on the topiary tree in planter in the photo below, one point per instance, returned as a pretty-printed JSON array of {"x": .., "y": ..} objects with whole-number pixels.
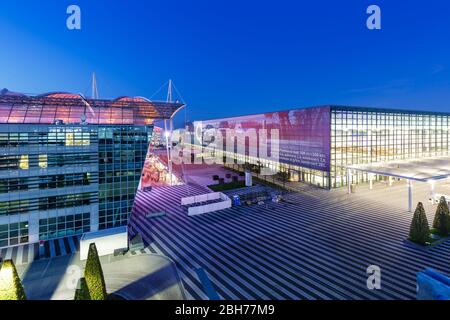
[
  {"x": 10, "y": 285},
  {"x": 82, "y": 293},
  {"x": 283, "y": 177},
  {"x": 441, "y": 220},
  {"x": 93, "y": 274},
  {"x": 419, "y": 231}
]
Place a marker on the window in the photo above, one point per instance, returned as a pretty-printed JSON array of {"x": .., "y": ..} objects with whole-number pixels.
[
  {"x": 13, "y": 234},
  {"x": 63, "y": 226},
  {"x": 14, "y": 207},
  {"x": 77, "y": 139},
  {"x": 13, "y": 185},
  {"x": 43, "y": 161},
  {"x": 23, "y": 162}
]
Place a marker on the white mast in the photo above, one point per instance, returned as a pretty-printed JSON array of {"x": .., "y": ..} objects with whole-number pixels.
[
  {"x": 169, "y": 92},
  {"x": 94, "y": 94},
  {"x": 169, "y": 133}
]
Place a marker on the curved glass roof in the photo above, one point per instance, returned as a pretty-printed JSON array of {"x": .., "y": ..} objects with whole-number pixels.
[
  {"x": 74, "y": 108},
  {"x": 61, "y": 95}
]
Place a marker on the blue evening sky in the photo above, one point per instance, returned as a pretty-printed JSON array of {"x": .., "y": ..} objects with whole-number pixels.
[{"x": 233, "y": 57}]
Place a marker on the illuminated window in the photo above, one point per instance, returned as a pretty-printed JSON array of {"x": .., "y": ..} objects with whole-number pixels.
[
  {"x": 43, "y": 161},
  {"x": 70, "y": 139},
  {"x": 23, "y": 162},
  {"x": 77, "y": 139}
]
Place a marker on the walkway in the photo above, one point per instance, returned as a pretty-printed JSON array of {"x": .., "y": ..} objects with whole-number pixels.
[
  {"x": 28, "y": 253},
  {"x": 315, "y": 247}
]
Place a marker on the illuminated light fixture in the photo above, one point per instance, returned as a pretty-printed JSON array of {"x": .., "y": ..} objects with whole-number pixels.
[{"x": 167, "y": 134}]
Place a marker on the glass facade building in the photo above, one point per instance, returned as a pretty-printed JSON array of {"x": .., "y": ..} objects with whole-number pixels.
[
  {"x": 122, "y": 152},
  {"x": 316, "y": 145},
  {"x": 363, "y": 136},
  {"x": 69, "y": 165}
]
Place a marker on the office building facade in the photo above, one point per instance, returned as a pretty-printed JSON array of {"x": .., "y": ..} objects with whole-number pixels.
[{"x": 70, "y": 165}]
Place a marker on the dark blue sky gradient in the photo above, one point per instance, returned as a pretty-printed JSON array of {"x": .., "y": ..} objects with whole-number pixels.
[{"x": 233, "y": 57}]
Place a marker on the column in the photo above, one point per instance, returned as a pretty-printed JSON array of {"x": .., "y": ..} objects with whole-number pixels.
[
  {"x": 390, "y": 181},
  {"x": 349, "y": 180},
  {"x": 166, "y": 135},
  {"x": 370, "y": 181},
  {"x": 409, "y": 183},
  {"x": 432, "y": 187},
  {"x": 94, "y": 217},
  {"x": 170, "y": 148},
  {"x": 33, "y": 227}
]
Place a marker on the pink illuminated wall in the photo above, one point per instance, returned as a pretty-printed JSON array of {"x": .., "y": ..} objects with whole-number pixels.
[{"x": 304, "y": 134}]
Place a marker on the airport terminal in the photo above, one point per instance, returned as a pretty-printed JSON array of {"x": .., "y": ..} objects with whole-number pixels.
[
  {"x": 319, "y": 144},
  {"x": 76, "y": 171},
  {"x": 335, "y": 146}
]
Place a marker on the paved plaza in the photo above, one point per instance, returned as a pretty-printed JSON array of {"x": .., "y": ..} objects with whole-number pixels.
[{"x": 317, "y": 246}]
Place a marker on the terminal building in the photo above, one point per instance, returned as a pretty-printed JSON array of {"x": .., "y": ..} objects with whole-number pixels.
[
  {"x": 318, "y": 145},
  {"x": 70, "y": 165}
]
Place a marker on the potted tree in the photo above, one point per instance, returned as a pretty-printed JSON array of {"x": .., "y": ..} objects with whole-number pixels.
[
  {"x": 441, "y": 222},
  {"x": 419, "y": 232},
  {"x": 10, "y": 285}
]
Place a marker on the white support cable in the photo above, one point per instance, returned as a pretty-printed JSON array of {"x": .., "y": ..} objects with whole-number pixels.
[
  {"x": 87, "y": 105},
  {"x": 178, "y": 93},
  {"x": 158, "y": 91},
  {"x": 185, "y": 123}
]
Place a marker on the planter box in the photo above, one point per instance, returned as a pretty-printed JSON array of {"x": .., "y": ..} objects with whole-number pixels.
[
  {"x": 224, "y": 203},
  {"x": 411, "y": 244}
]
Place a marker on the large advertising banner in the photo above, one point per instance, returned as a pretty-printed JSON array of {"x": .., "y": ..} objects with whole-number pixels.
[
  {"x": 156, "y": 172},
  {"x": 304, "y": 134}
]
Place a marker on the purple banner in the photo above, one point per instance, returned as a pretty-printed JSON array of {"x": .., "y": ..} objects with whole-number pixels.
[{"x": 304, "y": 134}]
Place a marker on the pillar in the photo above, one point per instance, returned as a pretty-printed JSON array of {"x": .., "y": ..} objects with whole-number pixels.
[
  {"x": 170, "y": 148},
  {"x": 409, "y": 183},
  {"x": 390, "y": 181},
  {"x": 167, "y": 135},
  {"x": 33, "y": 227},
  {"x": 248, "y": 178},
  {"x": 370, "y": 181},
  {"x": 432, "y": 187},
  {"x": 349, "y": 181}
]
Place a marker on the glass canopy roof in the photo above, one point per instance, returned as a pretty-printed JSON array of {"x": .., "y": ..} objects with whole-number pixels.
[
  {"x": 424, "y": 169},
  {"x": 74, "y": 108}
]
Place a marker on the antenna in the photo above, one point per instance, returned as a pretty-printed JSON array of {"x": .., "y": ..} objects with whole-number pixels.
[
  {"x": 169, "y": 91},
  {"x": 94, "y": 94}
]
